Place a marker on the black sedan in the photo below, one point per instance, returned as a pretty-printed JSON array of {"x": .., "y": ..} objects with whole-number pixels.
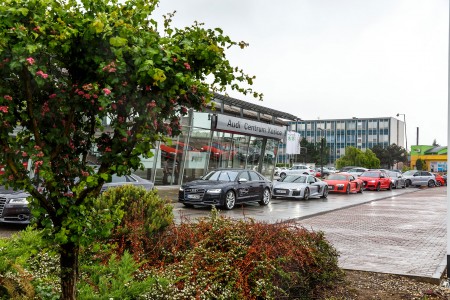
[{"x": 226, "y": 188}]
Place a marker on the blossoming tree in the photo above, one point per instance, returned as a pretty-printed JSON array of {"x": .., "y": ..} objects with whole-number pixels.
[{"x": 65, "y": 66}]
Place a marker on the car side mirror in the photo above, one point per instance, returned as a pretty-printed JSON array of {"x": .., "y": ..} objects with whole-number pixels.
[
  {"x": 242, "y": 180},
  {"x": 382, "y": 176}
]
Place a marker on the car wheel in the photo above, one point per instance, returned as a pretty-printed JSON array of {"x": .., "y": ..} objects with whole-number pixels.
[
  {"x": 325, "y": 192},
  {"x": 282, "y": 175},
  {"x": 266, "y": 197},
  {"x": 378, "y": 187},
  {"x": 348, "y": 189},
  {"x": 361, "y": 189},
  {"x": 391, "y": 186},
  {"x": 230, "y": 200},
  {"x": 431, "y": 183},
  {"x": 408, "y": 182},
  {"x": 188, "y": 205},
  {"x": 438, "y": 183},
  {"x": 306, "y": 194}
]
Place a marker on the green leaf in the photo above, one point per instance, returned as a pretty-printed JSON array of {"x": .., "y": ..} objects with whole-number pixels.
[{"x": 117, "y": 41}]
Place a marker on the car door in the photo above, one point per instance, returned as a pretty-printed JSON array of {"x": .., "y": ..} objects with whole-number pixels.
[
  {"x": 313, "y": 185},
  {"x": 385, "y": 180},
  {"x": 257, "y": 185},
  {"x": 244, "y": 187}
]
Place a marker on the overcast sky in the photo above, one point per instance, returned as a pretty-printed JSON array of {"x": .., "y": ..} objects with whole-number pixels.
[{"x": 332, "y": 59}]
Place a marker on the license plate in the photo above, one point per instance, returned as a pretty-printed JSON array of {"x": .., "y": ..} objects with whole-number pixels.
[
  {"x": 281, "y": 192},
  {"x": 193, "y": 196}
]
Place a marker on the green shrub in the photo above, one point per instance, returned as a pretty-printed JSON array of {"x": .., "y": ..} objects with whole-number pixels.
[
  {"x": 143, "y": 214},
  {"x": 114, "y": 280}
]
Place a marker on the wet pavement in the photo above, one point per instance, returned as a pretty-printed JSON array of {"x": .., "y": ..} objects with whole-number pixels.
[
  {"x": 399, "y": 232},
  {"x": 404, "y": 235}
]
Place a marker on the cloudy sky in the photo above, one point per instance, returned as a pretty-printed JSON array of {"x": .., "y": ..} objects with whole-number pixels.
[{"x": 330, "y": 59}]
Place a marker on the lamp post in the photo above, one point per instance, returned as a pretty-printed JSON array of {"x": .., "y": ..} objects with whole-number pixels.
[
  {"x": 406, "y": 138},
  {"x": 321, "y": 150}
]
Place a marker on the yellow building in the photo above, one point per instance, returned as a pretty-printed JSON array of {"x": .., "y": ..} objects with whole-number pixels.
[{"x": 435, "y": 157}]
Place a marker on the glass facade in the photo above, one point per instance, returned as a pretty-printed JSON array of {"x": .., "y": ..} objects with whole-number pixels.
[{"x": 199, "y": 150}]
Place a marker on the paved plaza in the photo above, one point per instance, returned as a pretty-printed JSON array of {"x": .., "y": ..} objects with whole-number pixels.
[{"x": 404, "y": 235}]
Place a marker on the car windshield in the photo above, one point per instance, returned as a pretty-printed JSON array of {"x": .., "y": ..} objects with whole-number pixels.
[
  {"x": 337, "y": 177},
  {"x": 410, "y": 172},
  {"x": 393, "y": 174},
  {"x": 370, "y": 174},
  {"x": 222, "y": 175},
  {"x": 293, "y": 178}
]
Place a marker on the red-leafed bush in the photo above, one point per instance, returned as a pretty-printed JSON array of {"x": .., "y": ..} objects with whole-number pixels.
[{"x": 221, "y": 258}]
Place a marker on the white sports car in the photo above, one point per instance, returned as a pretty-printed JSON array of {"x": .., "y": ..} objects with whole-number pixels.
[{"x": 300, "y": 187}]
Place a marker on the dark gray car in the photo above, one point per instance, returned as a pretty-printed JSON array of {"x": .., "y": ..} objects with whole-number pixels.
[
  {"x": 397, "y": 179},
  {"x": 14, "y": 204}
]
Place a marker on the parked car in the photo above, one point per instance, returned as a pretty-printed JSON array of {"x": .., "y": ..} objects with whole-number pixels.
[
  {"x": 346, "y": 168},
  {"x": 397, "y": 179},
  {"x": 357, "y": 171},
  {"x": 14, "y": 204},
  {"x": 300, "y": 186},
  {"x": 298, "y": 169},
  {"x": 277, "y": 170},
  {"x": 226, "y": 188},
  {"x": 322, "y": 172},
  {"x": 344, "y": 183},
  {"x": 419, "y": 178},
  {"x": 376, "y": 180},
  {"x": 440, "y": 180}
]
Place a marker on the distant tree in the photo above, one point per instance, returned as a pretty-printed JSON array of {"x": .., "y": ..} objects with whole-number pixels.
[
  {"x": 310, "y": 152},
  {"x": 65, "y": 67},
  {"x": 391, "y": 155},
  {"x": 355, "y": 157},
  {"x": 435, "y": 144},
  {"x": 421, "y": 164}
]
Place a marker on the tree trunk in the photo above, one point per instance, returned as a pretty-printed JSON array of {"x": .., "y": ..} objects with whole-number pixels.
[{"x": 69, "y": 270}]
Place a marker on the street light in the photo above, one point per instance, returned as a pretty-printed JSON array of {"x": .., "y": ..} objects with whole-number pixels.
[
  {"x": 404, "y": 121},
  {"x": 321, "y": 151}
]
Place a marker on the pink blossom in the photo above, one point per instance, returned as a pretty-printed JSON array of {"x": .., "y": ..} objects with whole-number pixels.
[
  {"x": 36, "y": 28},
  {"x": 124, "y": 139},
  {"x": 7, "y": 97},
  {"x": 107, "y": 149},
  {"x": 100, "y": 108},
  {"x": 4, "y": 109},
  {"x": 30, "y": 60},
  {"x": 84, "y": 173},
  {"x": 52, "y": 96},
  {"x": 40, "y": 154},
  {"x": 112, "y": 70},
  {"x": 24, "y": 154},
  {"x": 187, "y": 66},
  {"x": 106, "y": 91},
  {"x": 175, "y": 59},
  {"x": 42, "y": 74},
  {"x": 87, "y": 96},
  {"x": 114, "y": 106}
]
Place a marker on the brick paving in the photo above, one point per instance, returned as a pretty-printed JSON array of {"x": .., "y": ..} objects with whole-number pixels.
[{"x": 404, "y": 235}]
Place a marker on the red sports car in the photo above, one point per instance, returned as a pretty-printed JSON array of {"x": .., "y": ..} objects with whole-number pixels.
[
  {"x": 440, "y": 180},
  {"x": 376, "y": 180},
  {"x": 344, "y": 183}
]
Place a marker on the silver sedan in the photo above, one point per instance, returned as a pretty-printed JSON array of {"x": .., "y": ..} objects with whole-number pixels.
[{"x": 300, "y": 187}]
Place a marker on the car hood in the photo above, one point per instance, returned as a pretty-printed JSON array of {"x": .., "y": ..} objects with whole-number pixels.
[
  {"x": 335, "y": 181},
  {"x": 207, "y": 183},
  {"x": 289, "y": 185}
]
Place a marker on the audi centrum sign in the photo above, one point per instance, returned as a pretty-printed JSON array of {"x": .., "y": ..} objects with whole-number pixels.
[{"x": 247, "y": 127}]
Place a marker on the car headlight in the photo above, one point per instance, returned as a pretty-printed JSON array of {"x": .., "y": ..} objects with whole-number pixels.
[
  {"x": 181, "y": 189},
  {"x": 18, "y": 201},
  {"x": 214, "y": 191}
]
